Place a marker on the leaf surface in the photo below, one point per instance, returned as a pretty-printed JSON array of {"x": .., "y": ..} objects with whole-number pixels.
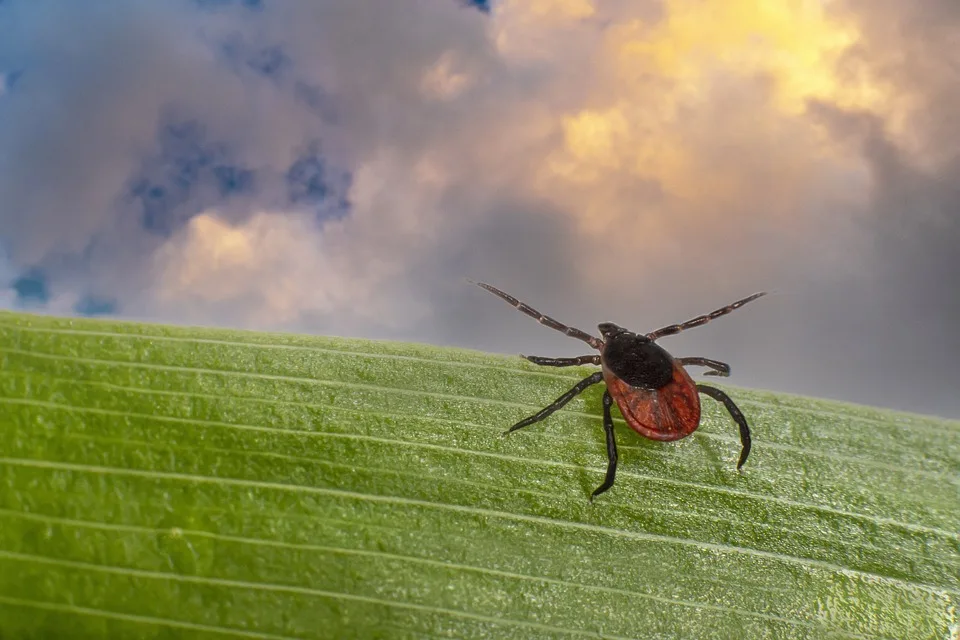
[{"x": 177, "y": 482}]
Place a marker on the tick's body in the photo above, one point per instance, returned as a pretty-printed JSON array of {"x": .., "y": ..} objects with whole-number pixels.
[{"x": 652, "y": 389}]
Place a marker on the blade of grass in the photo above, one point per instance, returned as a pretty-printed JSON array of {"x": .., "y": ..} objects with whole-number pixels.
[{"x": 202, "y": 482}]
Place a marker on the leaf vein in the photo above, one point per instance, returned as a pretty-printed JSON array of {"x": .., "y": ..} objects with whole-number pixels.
[
  {"x": 418, "y": 560},
  {"x": 293, "y": 589},
  {"x": 623, "y": 473},
  {"x": 474, "y": 511}
]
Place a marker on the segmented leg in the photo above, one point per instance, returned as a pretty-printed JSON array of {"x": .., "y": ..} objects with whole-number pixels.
[
  {"x": 547, "y": 321},
  {"x": 721, "y": 369},
  {"x": 562, "y": 362},
  {"x": 611, "y": 447},
  {"x": 720, "y": 396},
  {"x": 559, "y": 402},
  {"x": 702, "y": 320}
]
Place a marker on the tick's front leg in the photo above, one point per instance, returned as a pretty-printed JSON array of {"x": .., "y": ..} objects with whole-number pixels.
[{"x": 559, "y": 402}]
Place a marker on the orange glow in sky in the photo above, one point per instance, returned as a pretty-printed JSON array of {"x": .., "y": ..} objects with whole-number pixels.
[{"x": 697, "y": 100}]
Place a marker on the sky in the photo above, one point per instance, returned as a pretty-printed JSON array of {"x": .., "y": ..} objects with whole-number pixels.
[{"x": 341, "y": 167}]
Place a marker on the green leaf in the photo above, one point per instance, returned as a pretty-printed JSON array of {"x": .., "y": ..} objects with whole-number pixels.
[{"x": 172, "y": 482}]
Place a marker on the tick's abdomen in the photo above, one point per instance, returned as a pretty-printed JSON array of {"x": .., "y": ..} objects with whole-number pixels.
[{"x": 669, "y": 413}]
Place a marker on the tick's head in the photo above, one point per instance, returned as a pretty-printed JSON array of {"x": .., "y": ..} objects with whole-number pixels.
[{"x": 609, "y": 331}]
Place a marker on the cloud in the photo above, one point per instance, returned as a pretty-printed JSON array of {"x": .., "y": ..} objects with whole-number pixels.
[
  {"x": 340, "y": 167},
  {"x": 256, "y": 271},
  {"x": 911, "y": 146}
]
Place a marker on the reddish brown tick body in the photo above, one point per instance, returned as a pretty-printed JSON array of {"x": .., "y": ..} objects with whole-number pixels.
[
  {"x": 657, "y": 397},
  {"x": 669, "y": 413}
]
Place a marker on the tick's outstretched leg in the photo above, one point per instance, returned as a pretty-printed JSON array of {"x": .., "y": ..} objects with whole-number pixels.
[
  {"x": 720, "y": 396},
  {"x": 562, "y": 362},
  {"x": 559, "y": 402},
  {"x": 719, "y": 368},
  {"x": 547, "y": 321},
  {"x": 702, "y": 320},
  {"x": 611, "y": 447}
]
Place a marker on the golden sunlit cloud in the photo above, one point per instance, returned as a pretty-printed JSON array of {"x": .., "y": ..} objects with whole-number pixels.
[
  {"x": 693, "y": 119},
  {"x": 707, "y": 102},
  {"x": 266, "y": 260},
  {"x": 798, "y": 43}
]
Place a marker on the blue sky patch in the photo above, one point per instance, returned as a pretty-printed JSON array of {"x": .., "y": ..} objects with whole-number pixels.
[
  {"x": 312, "y": 181},
  {"x": 9, "y": 79},
  {"x": 269, "y": 61},
  {"x": 319, "y": 101},
  {"x": 32, "y": 287},
  {"x": 482, "y": 5},
  {"x": 254, "y": 5},
  {"x": 188, "y": 174},
  {"x": 233, "y": 180},
  {"x": 93, "y": 305}
]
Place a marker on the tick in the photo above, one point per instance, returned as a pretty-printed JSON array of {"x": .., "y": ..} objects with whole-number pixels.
[{"x": 652, "y": 389}]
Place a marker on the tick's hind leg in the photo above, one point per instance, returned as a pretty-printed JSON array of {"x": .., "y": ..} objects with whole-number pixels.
[
  {"x": 559, "y": 402},
  {"x": 611, "y": 447},
  {"x": 562, "y": 362},
  {"x": 547, "y": 321},
  {"x": 720, "y": 396},
  {"x": 718, "y": 368}
]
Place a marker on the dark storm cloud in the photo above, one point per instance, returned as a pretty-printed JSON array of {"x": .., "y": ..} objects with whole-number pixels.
[
  {"x": 907, "y": 308},
  {"x": 520, "y": 245}
]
